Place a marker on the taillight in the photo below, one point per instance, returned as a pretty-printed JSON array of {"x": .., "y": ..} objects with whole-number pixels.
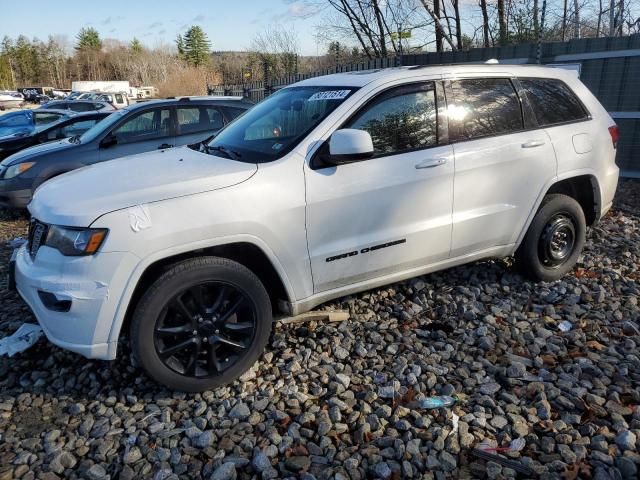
[{"x": 615, "y": 135}]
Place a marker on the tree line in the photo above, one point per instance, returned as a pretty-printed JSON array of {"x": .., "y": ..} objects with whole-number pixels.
[
  {"x": 351, "y": 30},
  {"x": 380, "y": 28},
  {"x": 57, "y": 62}
]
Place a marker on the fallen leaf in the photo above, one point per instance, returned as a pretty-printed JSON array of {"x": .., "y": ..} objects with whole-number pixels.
[
  {"x": 595, "y": 345},
  {"x": 571, "y": 472},
  {"x": 549, "y": 360}
]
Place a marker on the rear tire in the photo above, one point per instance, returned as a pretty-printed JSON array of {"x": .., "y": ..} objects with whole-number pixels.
[
  {"x": 554, "y": 240},
  {"x": 202, "y": 324}
]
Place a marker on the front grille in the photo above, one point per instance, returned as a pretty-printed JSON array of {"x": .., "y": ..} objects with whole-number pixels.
[{"x": 37, "y": 235}]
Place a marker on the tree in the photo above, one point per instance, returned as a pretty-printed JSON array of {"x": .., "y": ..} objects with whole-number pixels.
[
  {"x": 485, "y": 24},
  {"x": 88, "y": 39},
  {"x": 197, "y": 46},
  {"x": 180, "y": 45},
  {"x": 502, "y": 22},
  {"x": 136, "y": 46}
]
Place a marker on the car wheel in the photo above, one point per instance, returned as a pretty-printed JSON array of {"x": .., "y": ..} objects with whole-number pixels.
[
  {"x": 554, "y": 240},
  {"x": 202, "y": 324}
]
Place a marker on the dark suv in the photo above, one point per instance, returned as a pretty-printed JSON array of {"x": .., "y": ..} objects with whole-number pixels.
[{"x": 138, "y": 128}]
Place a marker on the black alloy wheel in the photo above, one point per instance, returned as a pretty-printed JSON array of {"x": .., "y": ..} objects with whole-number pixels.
[
  {"x": 205, "y": 329},
  {"x": 201, "y": 324}
]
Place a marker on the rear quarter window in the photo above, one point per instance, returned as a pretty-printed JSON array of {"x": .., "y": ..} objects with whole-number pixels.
[{"x": 552, "y": 101}]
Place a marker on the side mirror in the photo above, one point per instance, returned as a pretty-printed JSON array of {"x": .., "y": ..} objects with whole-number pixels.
[
  {"x": 109, "y": 141},
  {"x": 349, "y": 145}
]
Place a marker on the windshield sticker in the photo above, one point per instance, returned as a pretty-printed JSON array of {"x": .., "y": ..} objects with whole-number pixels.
[
  {"x": 277, "y": 146},
  {"x": 329, "y": 95}
]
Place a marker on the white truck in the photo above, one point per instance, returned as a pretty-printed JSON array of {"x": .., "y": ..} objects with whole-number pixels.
[
  {"x": 112, "y": 86},
  {"x": 331, "y": 186}
]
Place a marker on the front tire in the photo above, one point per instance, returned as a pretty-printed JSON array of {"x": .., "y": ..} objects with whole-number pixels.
[
  {"x": 554, "y": 240},
  {"x": 202, "y": 324}
]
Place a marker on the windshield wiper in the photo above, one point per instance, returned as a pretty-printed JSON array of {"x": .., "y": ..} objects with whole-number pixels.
[{"x": 233, "y": 155}]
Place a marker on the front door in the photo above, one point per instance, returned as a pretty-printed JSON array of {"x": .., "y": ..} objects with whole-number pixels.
[
  {"x": 502, "y": 163},
  {"x": 390, "y": 213},
  {"x": 143, "y": 132}
]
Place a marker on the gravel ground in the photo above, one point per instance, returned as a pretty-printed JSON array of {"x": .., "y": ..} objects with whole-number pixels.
[{"x": 334, "y": 400}]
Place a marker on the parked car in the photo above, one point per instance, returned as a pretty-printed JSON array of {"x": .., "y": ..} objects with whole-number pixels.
[
  {"x": 118, "y": 100},
  {"x": 154, "y": 125},
  {"x": 80, "y": 105},
  {"x": 73, "y": 95},
  {"x": 328, "y": 187},
  {"x": 66, "y": 127},
  {"x": 10, "y": 100},
  {"x": 26, "y": 120}
]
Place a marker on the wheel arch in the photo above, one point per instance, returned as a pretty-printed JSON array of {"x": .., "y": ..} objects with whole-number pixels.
[
  {"x": 249, "y": 252},
  {"x": 582, "y": 185}
]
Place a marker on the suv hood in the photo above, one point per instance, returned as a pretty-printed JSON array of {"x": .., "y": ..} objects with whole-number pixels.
[
  {"x": 36, "y": 151},
  {"x": 79, "y": 197}
]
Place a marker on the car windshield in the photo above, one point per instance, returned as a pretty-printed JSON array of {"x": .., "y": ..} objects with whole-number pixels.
[
  {"x": 102, "y": 126},
  {"x": 276, "y": 125}
]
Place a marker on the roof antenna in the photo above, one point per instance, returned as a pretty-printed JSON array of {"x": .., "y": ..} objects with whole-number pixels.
[{"x": 492, "y": 61}]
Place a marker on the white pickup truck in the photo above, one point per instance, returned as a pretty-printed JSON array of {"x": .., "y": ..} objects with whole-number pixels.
[{"x": 330, "y": 186}]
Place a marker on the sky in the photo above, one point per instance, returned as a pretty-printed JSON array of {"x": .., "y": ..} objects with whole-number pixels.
[{"x": 229, "y": 24}]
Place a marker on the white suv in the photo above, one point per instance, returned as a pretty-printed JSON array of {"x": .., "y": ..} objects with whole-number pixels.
[{"x": 330, "y": 186}]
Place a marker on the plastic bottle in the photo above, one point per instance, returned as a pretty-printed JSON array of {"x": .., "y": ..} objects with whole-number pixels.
[{"x": 435, "y": 402}]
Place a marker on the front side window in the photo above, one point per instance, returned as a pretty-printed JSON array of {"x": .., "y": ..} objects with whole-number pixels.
[
  {"x": 483, "y": 107},
  {"x": 402, "y": 119},
  {"x": 276, "y": 125},
  {"x": 144, "y": 126},
  {"x": 552, "y": 101},
  {"x": 119, "y": 98}
]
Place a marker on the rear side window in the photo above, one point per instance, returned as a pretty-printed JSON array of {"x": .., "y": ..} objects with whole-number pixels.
[
  {"x": 233, "y": 112},
  {"x": 215, "y": 118},
  {"x": 147, "y": 125},
  {"x": 400, "y": 120},
  {"x": 483, "y": 107},
  {"x": 119, "y": 98},
  {"x": 552, "y": 101},
  {"x": 198, "y": 119},
  {"x": 80, "y": 106}
]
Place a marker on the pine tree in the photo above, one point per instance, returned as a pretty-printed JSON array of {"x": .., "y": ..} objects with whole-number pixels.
[
  {"x": 196, "y": 46},
  {"x": 180, "y": 45},
  {"x": 88, "y": 39},
  {"x": 136, "y": 46}
]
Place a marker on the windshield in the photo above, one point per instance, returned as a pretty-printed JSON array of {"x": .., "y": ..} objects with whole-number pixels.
[
  {"x": 102, "y": 126},
  {"x": 276, "y": 125}
]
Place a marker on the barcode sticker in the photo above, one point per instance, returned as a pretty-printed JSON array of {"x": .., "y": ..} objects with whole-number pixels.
[{"x": 329, "y": 95}]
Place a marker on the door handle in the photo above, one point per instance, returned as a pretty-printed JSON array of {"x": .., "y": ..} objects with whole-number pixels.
[
  {"x": 432, "y": 162},
  {"x": 165, "y": 145},
  {"x": 533, "y": 144}
]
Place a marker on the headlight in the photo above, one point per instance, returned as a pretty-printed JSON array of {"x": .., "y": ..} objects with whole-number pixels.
[
  {"x": 75, "y": 241},
  {"x": 17, "y": 169}
]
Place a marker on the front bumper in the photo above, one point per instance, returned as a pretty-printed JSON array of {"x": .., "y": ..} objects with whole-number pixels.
[
  {"x": 93, "y": 286},
  {"x": 15, "y": 193}
]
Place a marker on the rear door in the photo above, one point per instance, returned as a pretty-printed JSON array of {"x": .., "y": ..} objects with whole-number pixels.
[
  {"x": 196, "y": 123},
  {"x": 502, "y": 163},
  {"x": 150, "y": 129}
]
